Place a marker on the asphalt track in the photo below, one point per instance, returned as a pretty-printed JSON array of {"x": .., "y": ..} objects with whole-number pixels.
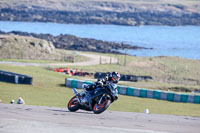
[{"x": 41, "y": 119}]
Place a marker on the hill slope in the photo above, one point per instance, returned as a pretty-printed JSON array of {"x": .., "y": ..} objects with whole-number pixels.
[{"x": 21, "y": 47}]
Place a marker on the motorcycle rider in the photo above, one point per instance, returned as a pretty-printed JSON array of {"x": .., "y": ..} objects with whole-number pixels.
[
  {"x": 96, "y": 97},
  {"x": 113, "y": 77}
]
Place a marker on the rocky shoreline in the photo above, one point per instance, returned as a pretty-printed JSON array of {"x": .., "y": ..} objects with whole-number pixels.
[
  {"x": 102, "y": 12},
  {"x": 99, "y": 17},
  {"x": 117, "y": 12},
  {"x": 70, "y": 42}
]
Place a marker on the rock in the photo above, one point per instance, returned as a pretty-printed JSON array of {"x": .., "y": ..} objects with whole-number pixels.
[
  {"x": 101, "y": 12},
  {"x": 71, "y": 42},
  {"x": 48, "y": 47}
]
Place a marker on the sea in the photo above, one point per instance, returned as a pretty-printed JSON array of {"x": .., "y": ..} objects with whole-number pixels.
[{"x": 182, "y": 41}]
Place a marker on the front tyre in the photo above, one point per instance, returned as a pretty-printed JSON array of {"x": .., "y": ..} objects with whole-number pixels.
[
  {"x": 73, "y": 104},
  {"x": 99, "y": 108}
]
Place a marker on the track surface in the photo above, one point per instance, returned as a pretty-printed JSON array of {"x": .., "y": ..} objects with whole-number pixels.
[{"x": 31, "y": 119}]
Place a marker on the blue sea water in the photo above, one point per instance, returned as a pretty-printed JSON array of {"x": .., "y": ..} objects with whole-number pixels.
[{"x": 183, "y": 41}]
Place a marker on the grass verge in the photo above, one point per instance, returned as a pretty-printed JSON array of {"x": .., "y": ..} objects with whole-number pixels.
[
  {"x": 48, "y": 90},
  {"x": 168, "y": 73}
]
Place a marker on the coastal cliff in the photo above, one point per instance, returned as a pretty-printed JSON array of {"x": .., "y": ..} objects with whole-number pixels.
[{"x": 126, "y": 12}]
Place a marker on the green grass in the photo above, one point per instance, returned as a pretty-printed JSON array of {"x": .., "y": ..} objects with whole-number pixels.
[
  {"x": 48, "y": 90},
  {"x": 167, "y": 72},
  {"x": 43, "y": 61},
  {"x": 78, "y": 58},
  {"x": 135, "y": 104},
  {"x": 32, "y": 61}
]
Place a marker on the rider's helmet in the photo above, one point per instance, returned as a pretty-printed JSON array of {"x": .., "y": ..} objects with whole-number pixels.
[{"x": 114, "y": 77}]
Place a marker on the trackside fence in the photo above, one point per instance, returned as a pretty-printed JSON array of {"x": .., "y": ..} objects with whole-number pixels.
[{"x": 140, "y": 92}]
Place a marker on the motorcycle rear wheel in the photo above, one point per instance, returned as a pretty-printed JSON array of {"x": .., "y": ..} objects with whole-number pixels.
[
  {"x": 73, "y": 104},
  {"x": 99, "y": 108}
]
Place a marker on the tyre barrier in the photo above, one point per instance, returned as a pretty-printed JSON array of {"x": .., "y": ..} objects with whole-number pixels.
[
  {"x": 143, "y": 93},
  {"x": 15, "y": 78},
  {"x": 133, "y": 78}
]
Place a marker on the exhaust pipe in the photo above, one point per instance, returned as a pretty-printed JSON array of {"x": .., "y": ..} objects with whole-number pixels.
[
  {"x": 75, "y": 91},
  {"x": 76, "y": 94}
]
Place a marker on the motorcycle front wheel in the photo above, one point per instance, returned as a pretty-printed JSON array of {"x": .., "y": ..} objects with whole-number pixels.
[
  {"x": 73, "y": 104},
  {"x": 99, "y": 108}
]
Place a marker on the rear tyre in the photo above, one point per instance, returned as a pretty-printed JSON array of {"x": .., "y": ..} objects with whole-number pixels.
[
  {"x": 99, "y": 108},
  {"x": 73, "y": 104}
]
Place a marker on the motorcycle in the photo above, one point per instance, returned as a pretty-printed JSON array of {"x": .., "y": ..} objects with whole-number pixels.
[{"x": 97, "y": 100}]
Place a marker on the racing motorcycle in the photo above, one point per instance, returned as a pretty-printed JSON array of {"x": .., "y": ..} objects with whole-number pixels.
[{"x": 97, "y": 100}]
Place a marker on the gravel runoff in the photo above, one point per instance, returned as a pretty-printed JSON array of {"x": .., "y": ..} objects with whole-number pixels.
[{"x": 31, "y": 119}]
